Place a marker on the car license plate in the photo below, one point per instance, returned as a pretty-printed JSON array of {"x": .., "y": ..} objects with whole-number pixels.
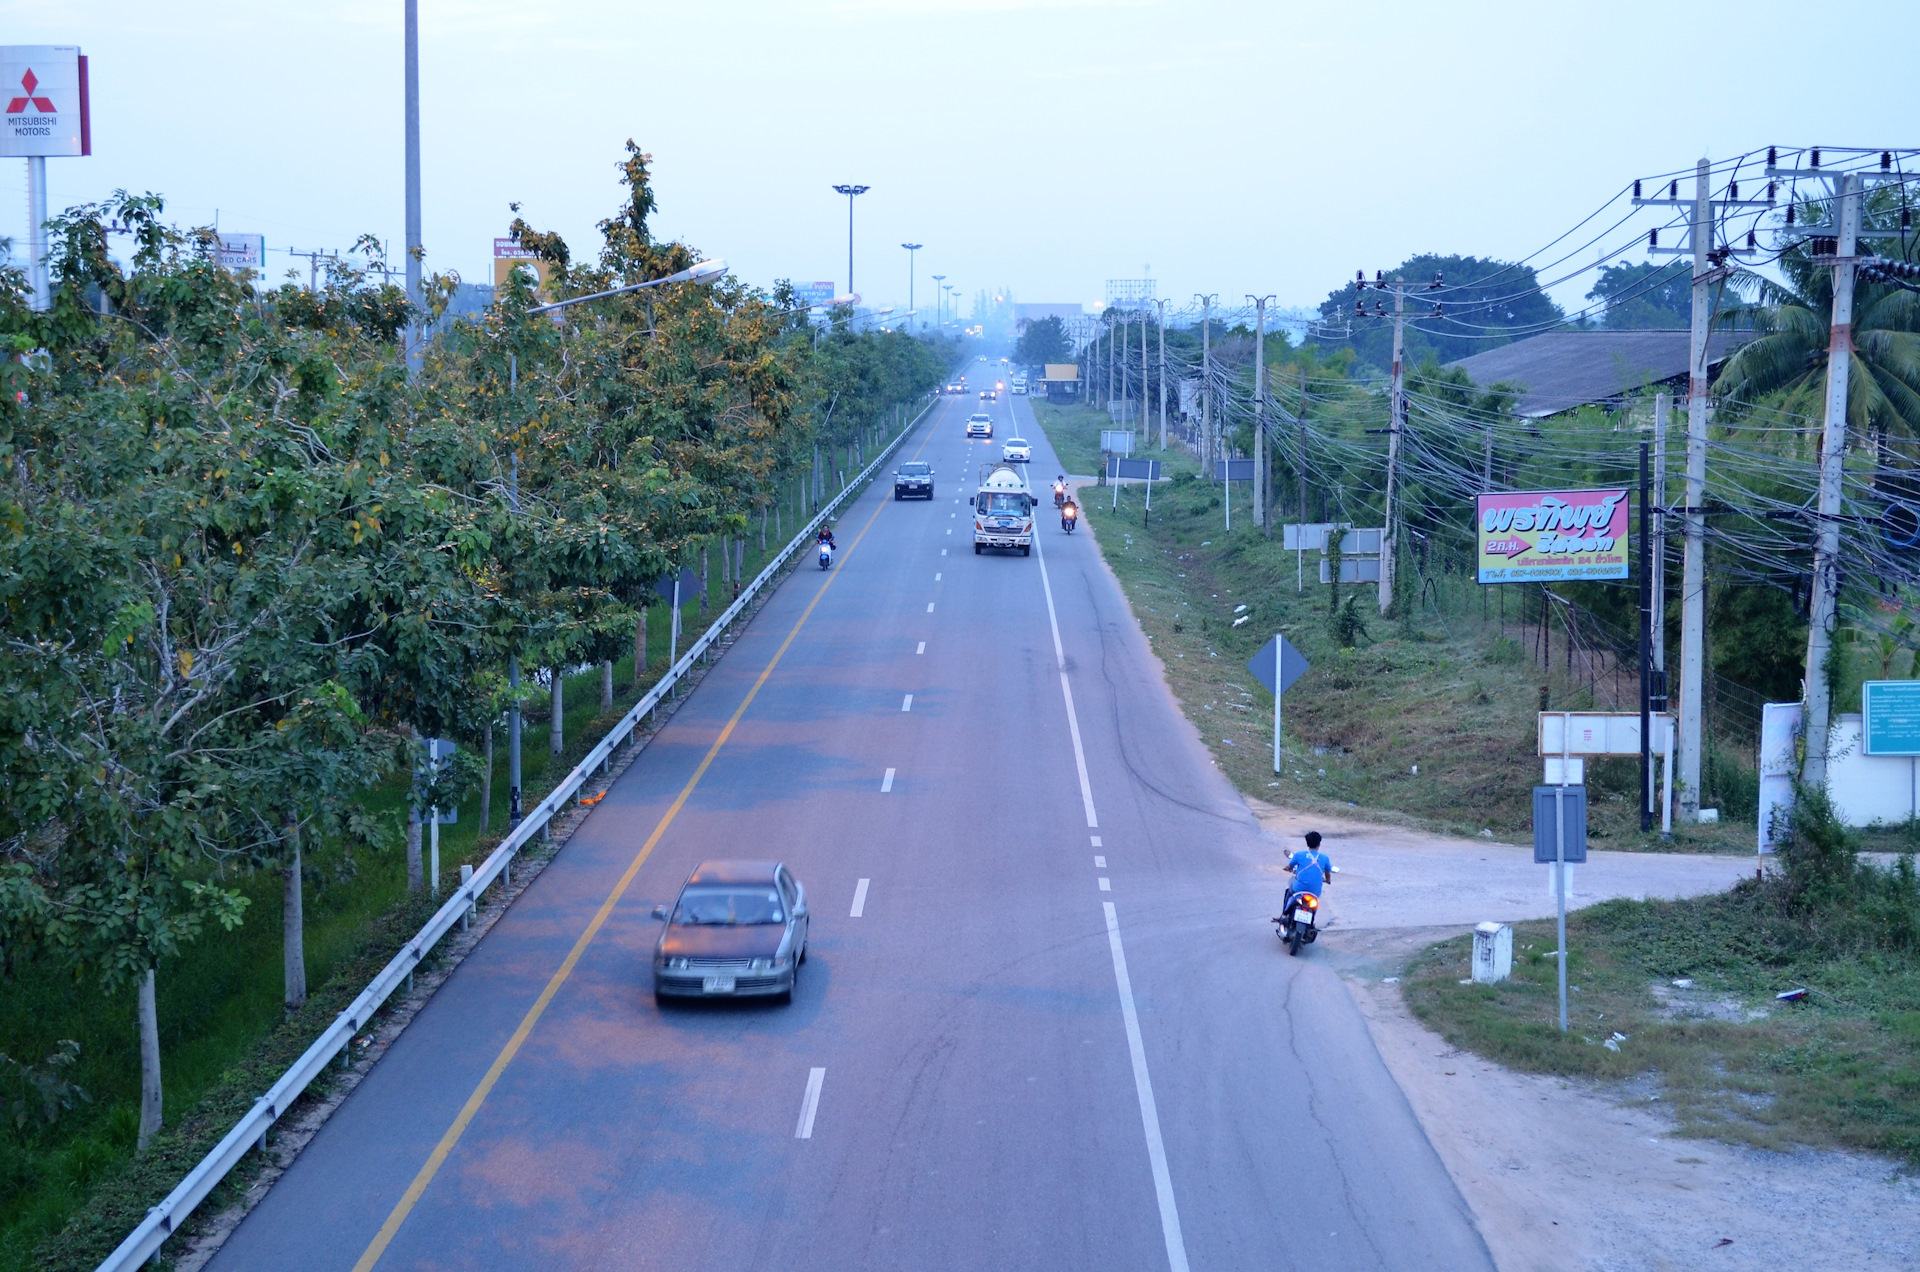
[{"x": 717, "y": 985}]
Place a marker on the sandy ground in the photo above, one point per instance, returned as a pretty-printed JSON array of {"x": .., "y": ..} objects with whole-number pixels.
[{"x": 1561, "y": 1176}]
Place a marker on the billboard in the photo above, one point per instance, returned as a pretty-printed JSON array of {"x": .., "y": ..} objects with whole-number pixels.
[
  {"x": 45, "y": 89},
  {"x": 508, "y": 254},
  {"x": 1549, "y": 536},
  {"x": 243, "y": 251},
  {"x": 814, "y": 294}
]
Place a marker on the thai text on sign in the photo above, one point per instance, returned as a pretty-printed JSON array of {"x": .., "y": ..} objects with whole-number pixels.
[{"x": 1537, "y": 536}]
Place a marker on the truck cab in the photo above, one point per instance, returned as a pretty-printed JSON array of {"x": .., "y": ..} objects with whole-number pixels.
[{"x": 1003, "y": 511}]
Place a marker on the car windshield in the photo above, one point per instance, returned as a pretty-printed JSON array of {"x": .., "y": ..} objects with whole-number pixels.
[
  {"x": 995, "y": 501},
  {"x": 1016, "y": 441},
  {"x": 728, "y": 907},
  {"x": 914, "y": 470}
]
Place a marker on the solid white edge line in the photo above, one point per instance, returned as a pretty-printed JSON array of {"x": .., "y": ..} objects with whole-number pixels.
[
  {"x": 810, "y": 1104},
  {"x": 1149, "y": 1111},
  {"x": 1066, "y": 690},
  {"x": 859, "y": 899},
  {"x": 886, "y": 783}
]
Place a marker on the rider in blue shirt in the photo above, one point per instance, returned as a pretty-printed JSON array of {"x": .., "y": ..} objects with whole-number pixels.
[{"x": 1309, "y": 868}]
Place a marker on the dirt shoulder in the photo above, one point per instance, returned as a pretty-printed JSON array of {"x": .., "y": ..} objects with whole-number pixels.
[{"x": 1567, "y": 1174}]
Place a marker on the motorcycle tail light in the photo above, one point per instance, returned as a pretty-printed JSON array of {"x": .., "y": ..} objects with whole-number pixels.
[{"x": 1310, "y": 901}]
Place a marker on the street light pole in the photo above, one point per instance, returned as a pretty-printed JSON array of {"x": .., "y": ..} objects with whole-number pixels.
[
  {"x": 911, "y": 249},
  {"x": 415, "y": 332},
  {"x": 850, "y": 191},
  {"x": 939, "y": 302}
]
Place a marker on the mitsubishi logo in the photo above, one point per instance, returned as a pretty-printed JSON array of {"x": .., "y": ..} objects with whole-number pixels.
[{"x": 42, "y": 104}]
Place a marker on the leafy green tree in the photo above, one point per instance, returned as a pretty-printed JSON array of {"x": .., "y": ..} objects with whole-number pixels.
[
  {"x": 1484, "y": 304},
  {"x": 1645, "y": 296},
  {"x": 1043, "y": 341}
]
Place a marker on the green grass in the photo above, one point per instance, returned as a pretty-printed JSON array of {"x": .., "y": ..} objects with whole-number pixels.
[
  {"x": 1839, "y": 1070},
  {"x": 1453, "y": 689},
  {"x": 71, "y": 1189}
]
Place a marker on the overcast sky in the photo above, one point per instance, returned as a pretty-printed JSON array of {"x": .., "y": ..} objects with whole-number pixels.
[{"x": 1041, "y": 145}]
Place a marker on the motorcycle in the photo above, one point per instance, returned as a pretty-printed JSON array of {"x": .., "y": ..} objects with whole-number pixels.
[
  {"x": 1302, "y": 921},
  {"x": 1069, "y": 518},
  {"x": 826, "y": 555},
  {"x": 1059, "y": 495}
]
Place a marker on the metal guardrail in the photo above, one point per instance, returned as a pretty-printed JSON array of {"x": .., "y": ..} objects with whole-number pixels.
[{"x": 164, "y": 1220}]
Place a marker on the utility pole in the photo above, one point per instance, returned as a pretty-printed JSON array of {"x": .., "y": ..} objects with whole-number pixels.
[
  {"x": 911, "y": 249},
  {"x": 1300, "y": 532},
  {"x": 416, "y": 333},
  {"x": 1708, "y": 272},
  {"x": 1262, "y": 479},
  {"x": 1206, "y": 382},
  {"x": 1396, "y": 424},
  {"x": 1163, "y": 373},
  {"x": 1110, "y": 365},
  {"x": 313, "y": 266},
  {"x": 1824, "y": 611},
  {"x": 1662, "y": 411},
  {"x": 850, "y": 191},
  {"x": 1146, "y": 423}
]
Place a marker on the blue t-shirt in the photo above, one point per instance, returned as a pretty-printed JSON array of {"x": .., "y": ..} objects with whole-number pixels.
[{"x": 1310, "y": 867}]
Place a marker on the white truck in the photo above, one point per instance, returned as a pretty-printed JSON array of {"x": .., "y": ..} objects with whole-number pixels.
[{"x": 1003, "y": 510}]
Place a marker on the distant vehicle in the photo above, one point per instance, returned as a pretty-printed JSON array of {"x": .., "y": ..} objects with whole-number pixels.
[
  {"x": 1016, "y": 451},
  {"x": 913, "y": 479},
  {"x": 1020, "y": 385},
  {"x": 1003, "y": 512},
  {"x": 956, "y": 387},
  {"x": 979, "y": 426},
  {"x": 983, "y": 357},
  {"x": 738, "y": 929}
]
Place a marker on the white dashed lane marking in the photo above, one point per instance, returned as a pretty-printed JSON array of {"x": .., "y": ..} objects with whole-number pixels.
[
  {"x": 922, "y": 649},
  {"x": 859, "y": 899},
  {"x": 886, "y": 783},
  {"x": 906, "y": 704},
  {"x": 810, "y": 1104}
]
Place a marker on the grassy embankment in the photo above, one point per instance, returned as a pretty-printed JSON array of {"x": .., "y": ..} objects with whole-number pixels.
[
  {"x": 1676, "y": 1002},
  {"x": 72, "y": 1187},
  {"x": 1452, "y": 692}
]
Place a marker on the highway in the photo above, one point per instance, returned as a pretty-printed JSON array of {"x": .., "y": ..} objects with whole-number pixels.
[{"x": 1058, "y": 1033}]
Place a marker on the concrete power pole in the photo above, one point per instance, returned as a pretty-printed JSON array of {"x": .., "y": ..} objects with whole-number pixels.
[
  {"x": 1146, "y": 424},
  {"x": 1163, "y": 374},
  {"x": 1396, "y": 424},
  {"x": 1262, "y": 478},
  {"x": 416, "y": 333},
  {"x": 1206, "y": 383},
  {"x": 1708, "y": 273},
  {"x": 1823, "y": 613}
]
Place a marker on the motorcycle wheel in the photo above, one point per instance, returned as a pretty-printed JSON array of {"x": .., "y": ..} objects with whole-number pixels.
[{"x": 1295, "y": 940}]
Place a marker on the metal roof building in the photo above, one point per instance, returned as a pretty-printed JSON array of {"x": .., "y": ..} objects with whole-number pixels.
[{"x": 1562, "y": 370}]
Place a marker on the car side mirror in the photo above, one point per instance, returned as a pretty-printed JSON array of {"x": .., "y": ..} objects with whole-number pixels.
[
  {"x": 969, "y": 501},
  {"x": 660, "y": 912}
]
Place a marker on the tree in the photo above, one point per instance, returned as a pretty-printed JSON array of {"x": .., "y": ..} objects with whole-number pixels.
[
  {"x": 1785, "y": 364},
  {"x": 1043, "y": 341},
  {"x": 1645, "y": 296},
  {"x": 1485, "y": 303}
]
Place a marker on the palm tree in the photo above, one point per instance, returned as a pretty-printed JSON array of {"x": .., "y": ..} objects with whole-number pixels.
[{"x": 1786, "y": 362}]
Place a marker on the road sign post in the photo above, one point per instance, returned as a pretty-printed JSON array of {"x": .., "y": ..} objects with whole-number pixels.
[{"x": 1276, "y": 666}]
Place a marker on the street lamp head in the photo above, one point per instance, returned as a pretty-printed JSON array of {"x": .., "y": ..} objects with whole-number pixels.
[
  {"x": 846, "y": 298},
  {"x": 913, "y": 247},
  {"x": 705, "y": 273},
  {"x": 851, "y": 190}
]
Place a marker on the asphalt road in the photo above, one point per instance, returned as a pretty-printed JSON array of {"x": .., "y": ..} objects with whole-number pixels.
[{"x": 1059, "y": 1034}]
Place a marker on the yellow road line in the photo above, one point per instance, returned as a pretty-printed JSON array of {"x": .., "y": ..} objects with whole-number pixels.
[{"x": 436, "y": 1159}]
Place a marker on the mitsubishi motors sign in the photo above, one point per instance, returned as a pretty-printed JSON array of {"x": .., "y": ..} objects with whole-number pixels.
[{"x": 44, "y": 89}]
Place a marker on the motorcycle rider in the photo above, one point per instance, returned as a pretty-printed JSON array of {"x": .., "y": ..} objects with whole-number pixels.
[
  {"x": 1060, "y": 491},
  {"x": 1310, "y": 869},
  {"x": 825, "y": 538},
  {"x": 1069, "y": 513}
]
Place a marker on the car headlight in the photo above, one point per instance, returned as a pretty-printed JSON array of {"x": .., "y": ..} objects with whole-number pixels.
[
  {"x": 757, "y": 965},
  {"x": 678, "y": 964}
]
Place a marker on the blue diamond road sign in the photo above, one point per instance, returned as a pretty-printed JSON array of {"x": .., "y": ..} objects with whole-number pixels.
[{"x": 1293, "y": 665}]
